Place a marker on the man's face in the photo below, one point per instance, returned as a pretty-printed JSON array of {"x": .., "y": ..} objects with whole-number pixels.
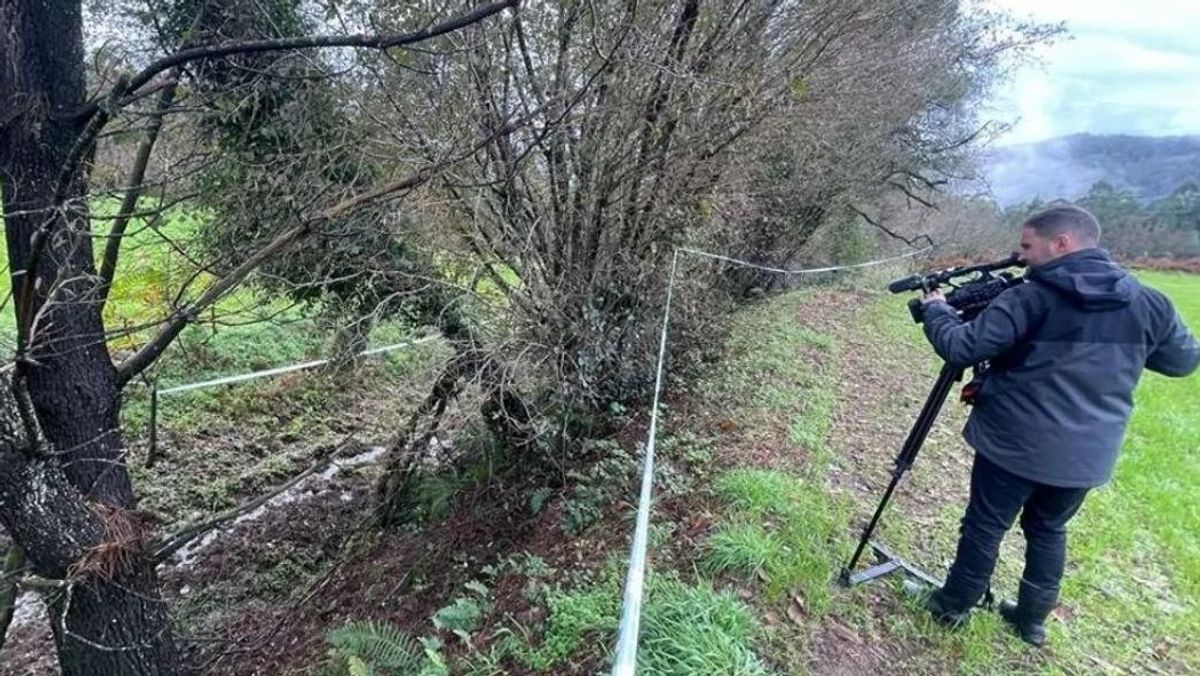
[{"x": 1037, "y": 250}]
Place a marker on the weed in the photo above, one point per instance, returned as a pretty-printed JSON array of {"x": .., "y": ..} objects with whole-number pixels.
[
  {"x": 573, "y": 619},
  {"x": 686, "y": 629},
  {"x": 538, "y": 498},
  {"x": 756, "y": 491},
  {"x": 597, "y": 485},
  {"x": 661, "y": 534},
  {"x": 693, "y": 452},
  {"x": 692, "y": 629},
  {"x": 741, "y": 548},
  {"x": 460, "y": 617},
  {"x": 433, "y": 496}
]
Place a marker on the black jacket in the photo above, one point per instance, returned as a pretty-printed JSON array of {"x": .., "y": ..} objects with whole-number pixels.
[{"x": 1067, "y": 349}]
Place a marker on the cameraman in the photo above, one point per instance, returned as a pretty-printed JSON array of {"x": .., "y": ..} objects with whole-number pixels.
[{"x": 1066, "y": 350}]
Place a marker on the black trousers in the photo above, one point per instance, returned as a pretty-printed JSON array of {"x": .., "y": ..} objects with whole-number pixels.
[{"x": 997, "y": 496}]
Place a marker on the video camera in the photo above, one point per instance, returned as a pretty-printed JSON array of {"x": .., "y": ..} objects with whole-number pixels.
[{"x": 969, "y": 296}]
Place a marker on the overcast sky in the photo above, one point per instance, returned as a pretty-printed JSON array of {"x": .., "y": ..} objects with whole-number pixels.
[{"x": 1127, "y": 67}]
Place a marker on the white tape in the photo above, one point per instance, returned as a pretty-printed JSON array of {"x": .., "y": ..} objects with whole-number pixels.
[
  {"x": 286, "y": 369},
  {"x": 805, "y": 271}
]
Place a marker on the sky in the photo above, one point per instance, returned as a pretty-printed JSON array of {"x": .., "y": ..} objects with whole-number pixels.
[{"x": 1126, "y": 68}]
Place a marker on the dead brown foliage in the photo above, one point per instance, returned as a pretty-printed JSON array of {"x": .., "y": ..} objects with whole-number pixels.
[{"x": 125, "y": 536}]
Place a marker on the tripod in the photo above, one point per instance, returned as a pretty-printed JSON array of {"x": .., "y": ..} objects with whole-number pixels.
[{"x": 888, "y": 562}]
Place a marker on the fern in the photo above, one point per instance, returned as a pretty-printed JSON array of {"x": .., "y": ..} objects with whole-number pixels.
[
  {"x": 374, "y": 648},
  {"x": 357, "y": 667},
  {"x": 460, "y": 617}
]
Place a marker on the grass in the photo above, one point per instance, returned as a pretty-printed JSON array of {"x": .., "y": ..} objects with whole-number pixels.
[
  {"x": 775, "y": 372},
  {"x": 149, "y": 272},
  {"x": 1137, "y": 558},
  {"x": 780, "y": 526}
]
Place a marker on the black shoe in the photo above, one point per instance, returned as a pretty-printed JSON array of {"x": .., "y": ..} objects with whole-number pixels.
[
  {"x": 1028, "y": 614},
  {"x": 947, "y": 611}
]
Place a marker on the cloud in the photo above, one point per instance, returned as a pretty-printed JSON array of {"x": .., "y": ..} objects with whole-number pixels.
[{"x": 1127, "y": 68}]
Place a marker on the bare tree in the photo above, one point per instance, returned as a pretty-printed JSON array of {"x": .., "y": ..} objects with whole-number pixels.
[{"x": 739, "y": 125}]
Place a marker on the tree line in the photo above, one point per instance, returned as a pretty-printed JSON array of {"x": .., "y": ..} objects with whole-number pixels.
[{"x": 1168, "y": 227}]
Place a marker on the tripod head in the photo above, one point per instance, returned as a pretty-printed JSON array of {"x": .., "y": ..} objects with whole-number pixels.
[{"x": 973, "y": 286}]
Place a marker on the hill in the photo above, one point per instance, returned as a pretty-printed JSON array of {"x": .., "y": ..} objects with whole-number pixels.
[{"x": 1149, "y": 166}]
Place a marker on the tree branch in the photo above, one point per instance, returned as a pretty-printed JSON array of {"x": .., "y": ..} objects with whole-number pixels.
[
  {"x": 911, "y": 242},
  {"x": 179, "y": 319},
  {"x": 133, "y": 190},
  {"x": 904, "y": 189},
  {"x": 148, "y": 353},
  {"x": 384, "y": 41},
  {"x": 98, "y": 112}
]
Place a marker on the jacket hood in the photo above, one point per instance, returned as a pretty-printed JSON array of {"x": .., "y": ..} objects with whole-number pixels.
[{"x": 1088, "y": 278}]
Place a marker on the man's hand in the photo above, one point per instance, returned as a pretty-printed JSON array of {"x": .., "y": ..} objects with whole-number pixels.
[{"x": 935, "y": 296}]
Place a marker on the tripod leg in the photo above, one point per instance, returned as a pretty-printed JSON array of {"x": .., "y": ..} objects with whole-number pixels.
[{"x": 908, "y": 454}]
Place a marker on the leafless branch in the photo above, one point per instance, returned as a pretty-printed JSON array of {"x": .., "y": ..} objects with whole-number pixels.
[{"x": 894, "y": 235}]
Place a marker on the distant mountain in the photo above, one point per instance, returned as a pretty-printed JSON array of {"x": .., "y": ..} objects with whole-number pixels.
[{"x": 1066, "y": 167}]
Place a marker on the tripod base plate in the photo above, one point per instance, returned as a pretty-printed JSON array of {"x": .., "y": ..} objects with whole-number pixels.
[{"x": 888, "y": 563}]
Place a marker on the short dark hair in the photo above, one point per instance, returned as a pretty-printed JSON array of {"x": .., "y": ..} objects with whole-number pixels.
[{"x": 1062, "y": 218}]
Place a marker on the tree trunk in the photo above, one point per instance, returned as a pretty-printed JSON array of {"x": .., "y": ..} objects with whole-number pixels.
[
  {"x": 74, "y": 384},
  {"x": 108, "y": 619},
  {"x": 113, "y": 622}
]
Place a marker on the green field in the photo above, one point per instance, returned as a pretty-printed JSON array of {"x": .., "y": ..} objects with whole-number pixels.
[{"x": 1131, "y": 595}]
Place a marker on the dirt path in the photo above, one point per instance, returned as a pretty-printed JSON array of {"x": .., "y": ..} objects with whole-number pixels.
[{"x": 884, "y": 372}]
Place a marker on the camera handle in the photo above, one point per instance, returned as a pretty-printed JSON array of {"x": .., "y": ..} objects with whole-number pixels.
[{"x": 889, "y": 563}]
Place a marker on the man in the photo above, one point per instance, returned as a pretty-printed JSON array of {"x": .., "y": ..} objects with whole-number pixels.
[{"x": 1066, "y": 350}]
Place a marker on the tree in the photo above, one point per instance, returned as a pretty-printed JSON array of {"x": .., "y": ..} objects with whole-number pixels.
[
  {"x": 1180, "y": 209},
  {"x": 65, "y": 495}
]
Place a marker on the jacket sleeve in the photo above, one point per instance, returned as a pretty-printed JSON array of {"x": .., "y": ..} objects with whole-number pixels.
[
  {"x": 995, "y": 331},
  {"x": 1176, "y": 354}
]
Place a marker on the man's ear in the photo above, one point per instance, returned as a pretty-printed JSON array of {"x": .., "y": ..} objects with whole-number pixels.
[{"x": 1063, "y": 242}]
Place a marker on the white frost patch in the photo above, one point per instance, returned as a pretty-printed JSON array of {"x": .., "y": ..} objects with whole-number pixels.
[
  {"x": 30, "y": 608},
  {"x": 363, "y": 458},
  {"x": 306, "y": 489}
]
